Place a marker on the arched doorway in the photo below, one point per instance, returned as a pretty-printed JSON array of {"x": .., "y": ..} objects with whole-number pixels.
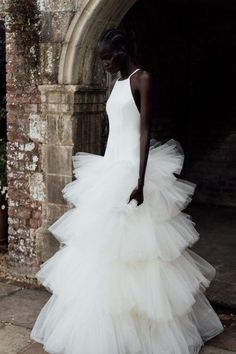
[
  {"x": 78, "y": 64},
  {"x": 192, "y": 95},
  {"x": 170, "y": 56}
]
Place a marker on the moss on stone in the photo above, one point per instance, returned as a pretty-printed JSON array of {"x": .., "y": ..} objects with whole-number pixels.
[{"x": 24, "y": 21}]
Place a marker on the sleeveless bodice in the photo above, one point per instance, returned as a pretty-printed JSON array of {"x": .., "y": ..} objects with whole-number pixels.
[{"x": 123, "y": 141}]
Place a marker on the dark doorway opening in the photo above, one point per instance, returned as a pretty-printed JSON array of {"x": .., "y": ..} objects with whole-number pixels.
[{"x": 189, "y": 47}]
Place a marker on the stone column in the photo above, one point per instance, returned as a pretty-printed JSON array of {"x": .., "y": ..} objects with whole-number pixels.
[{"x": 71, "y": 121}]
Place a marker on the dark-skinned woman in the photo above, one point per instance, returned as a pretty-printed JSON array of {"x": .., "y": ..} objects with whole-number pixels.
[{"x": 126, "y": 281}]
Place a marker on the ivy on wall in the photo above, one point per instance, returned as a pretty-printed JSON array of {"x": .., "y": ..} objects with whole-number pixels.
[
  {"x": 3, "y": 128},
  {"x": 24, "y": 21}
]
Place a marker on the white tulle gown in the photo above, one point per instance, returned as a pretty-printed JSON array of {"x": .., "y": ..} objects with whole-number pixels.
[{"x": 124, "y": 280}]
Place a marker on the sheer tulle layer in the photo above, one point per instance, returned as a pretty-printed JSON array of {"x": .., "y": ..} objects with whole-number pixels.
[
  {"x": 125, "y": 280},
  {"x": 95, "y": 331},
  {"x": 120, "y": 287}
]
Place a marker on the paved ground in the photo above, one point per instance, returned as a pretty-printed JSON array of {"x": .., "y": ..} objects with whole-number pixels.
[
  {"x": 19, "y": 306},
  {"x": 217, "y": 244}
]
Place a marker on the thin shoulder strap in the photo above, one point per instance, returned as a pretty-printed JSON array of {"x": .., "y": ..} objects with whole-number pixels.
[{"x": 134, "y": 72}]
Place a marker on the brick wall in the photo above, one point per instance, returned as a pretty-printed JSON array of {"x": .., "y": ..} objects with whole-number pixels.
[
  {"x": 29, "y": 64},
  {"x": 24, "y": 158}
]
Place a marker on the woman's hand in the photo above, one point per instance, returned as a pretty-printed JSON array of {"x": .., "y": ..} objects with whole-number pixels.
[{"x": 137, "y": 194}]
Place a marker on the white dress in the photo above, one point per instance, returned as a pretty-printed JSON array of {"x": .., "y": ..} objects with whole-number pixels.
[{"x": 124, "y": 280}]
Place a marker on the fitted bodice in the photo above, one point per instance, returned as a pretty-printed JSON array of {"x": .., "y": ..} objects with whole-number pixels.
[{"x": 123, "y": 141}]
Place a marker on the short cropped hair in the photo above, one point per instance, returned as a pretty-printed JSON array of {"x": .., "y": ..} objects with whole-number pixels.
[{"x": 116, "y": 38}]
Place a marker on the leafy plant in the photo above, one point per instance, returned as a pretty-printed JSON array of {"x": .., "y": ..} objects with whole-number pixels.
[
  {"x": 25, "y": 23},
  {"x": 3, "y": 124}
]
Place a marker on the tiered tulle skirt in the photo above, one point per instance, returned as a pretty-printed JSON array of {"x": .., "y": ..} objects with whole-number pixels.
[{"x": 125, "y": 280}]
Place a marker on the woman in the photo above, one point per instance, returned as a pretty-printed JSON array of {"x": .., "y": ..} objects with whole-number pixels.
[
  {"x": 115, "y": 52},
  {"x": 125, "y": 281}
]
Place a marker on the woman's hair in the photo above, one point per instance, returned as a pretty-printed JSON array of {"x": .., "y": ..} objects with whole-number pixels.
[{"x": 116, "y": 38}]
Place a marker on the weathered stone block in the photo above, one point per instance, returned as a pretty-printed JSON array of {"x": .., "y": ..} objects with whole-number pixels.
[
  {"x": 60, "y": 97},
  {"x": 55, "y": 211},
  {"x": 24, "y": 213},
  {"x": 37, "y": 128},
  {"x": 37, "y": 187},
  {"x": 66, "y": 126},
  {"x": 55, "y": 184},
  {"x": 60, "y": 129},
  {"x": 60, "y": 25},
  {"x": 46, "y": 244},
  {"x": 59, "y": 108},
  {"x": 59, "y": 160},
  {"x": 57, "y": 5},
  {"x": 50, "y": 56},
  {"x": 34, "y": 223},
  {"x": 46, "y": 27}
]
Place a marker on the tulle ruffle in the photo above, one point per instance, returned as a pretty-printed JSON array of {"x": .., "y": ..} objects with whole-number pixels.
[{"x": 125, "y": 280}]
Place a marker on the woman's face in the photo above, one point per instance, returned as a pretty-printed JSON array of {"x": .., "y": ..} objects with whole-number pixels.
[{"x": 112, "y": 59}]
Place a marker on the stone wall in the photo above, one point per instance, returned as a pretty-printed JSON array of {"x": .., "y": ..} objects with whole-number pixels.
[
  {"x": 47, "y": 123},
  {"x": 72, "y": 117},
  {"x": 55, "y": 18},
  {"x": 25, "y": 192},
  {"x": 26, "y": 130}
]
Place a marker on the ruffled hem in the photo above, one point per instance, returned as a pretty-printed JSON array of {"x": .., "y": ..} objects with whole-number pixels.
[
  {"x": 96, "y": 331},
  {"x": 125, "y": 280},
  {"x": 116, "y": 285}
]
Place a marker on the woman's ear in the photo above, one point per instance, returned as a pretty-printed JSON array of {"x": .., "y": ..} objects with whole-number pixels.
[{"x": 122, "y": 51}]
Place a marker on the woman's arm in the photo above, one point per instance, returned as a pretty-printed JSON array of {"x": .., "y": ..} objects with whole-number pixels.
[
  {"x": 145, "y": 90},
  {"x": 145, "y": 123}
]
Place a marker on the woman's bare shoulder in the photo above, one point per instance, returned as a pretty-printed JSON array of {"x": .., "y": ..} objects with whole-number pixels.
[{"x": 143, "y": 78}]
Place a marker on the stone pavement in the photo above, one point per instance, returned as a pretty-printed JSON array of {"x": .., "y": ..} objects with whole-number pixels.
[
  {"x": 217, "y": 244},
  {"x": 19, "y": 307}
]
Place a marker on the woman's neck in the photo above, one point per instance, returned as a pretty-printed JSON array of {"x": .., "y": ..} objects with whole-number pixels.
[{"x": 127, "y": 69}]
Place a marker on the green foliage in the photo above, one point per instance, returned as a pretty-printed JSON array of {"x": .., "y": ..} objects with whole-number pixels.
[
  {"x": 3, "y": 113},
  {"x": 25, "y": 23}
]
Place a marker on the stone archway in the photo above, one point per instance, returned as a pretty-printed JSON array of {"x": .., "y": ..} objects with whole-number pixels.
[
  {"x": 78, "y": 53},
  {"x": 75, "y": 106}
]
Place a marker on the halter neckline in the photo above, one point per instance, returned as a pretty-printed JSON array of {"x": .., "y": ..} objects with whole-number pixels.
[{"x": 129, "y": 75}]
